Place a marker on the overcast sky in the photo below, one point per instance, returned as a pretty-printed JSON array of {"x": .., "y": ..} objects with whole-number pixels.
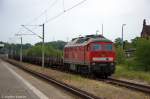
[{"x": 82, "y": 20}]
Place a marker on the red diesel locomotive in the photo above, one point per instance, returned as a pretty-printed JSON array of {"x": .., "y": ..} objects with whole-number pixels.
[{"x": 92, "y": 54}]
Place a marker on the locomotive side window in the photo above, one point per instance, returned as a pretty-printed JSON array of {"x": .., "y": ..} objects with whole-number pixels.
[{"x": 96, "y": 47}]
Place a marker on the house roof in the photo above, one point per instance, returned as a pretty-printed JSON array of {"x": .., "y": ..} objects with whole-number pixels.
[{"x": 146, "y": 29}]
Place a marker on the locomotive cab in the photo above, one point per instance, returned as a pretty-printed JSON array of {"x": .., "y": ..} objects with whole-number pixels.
[{"x": 102, "y": 57}]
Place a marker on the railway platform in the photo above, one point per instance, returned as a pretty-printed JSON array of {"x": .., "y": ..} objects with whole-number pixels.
[
  {"x": 12, "y": 87},
  {"x": 17, "y": 84}
]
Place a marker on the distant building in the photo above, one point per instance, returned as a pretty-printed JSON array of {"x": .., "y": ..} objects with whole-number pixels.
[{"x": 146, "y": 30}]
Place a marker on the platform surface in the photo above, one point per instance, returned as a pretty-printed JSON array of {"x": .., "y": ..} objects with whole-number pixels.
[{"x": 11, "y": 86}]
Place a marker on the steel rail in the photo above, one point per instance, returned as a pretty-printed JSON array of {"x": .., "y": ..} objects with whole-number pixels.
[{"x": 130, "y": 85}]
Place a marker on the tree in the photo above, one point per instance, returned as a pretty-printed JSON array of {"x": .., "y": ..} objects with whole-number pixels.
[
  {"x": 120, "y": 55},
  {"x": 49, "y": 51},
  {"x": 143, "y": 53},
  {"x": 127, "y": 45},
  {"x": 55, "y": 44},
  {"x": 118, "y": 42},
  {"x": 134, "y": 41}
]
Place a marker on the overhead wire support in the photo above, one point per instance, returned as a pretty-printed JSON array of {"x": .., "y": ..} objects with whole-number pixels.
[
  {"x": 23, "y": 34},
  {"x": 42, "y": 13},
  {"x": 42, "y": 37},
  {"x": 32, "y": 31},
  {"x": 31, "y": 25},
  {"x": 61, "y": 13}
]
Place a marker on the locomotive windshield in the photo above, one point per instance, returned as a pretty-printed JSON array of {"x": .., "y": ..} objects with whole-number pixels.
[
  {"x": 108, "y": 47},
  {"x": 98, "y": 47}
]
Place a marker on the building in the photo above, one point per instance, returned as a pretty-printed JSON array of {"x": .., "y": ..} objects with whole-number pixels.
[{"x": 146, "y": 30}]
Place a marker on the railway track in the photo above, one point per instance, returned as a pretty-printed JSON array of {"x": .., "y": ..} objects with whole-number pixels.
[
  {"x": 130, "y": 85},
  {"x": 73, "y": 90}
]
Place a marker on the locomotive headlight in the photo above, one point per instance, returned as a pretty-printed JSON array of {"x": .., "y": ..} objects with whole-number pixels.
[
  {"x": 93, "y": 63},
  {"x": 111, "y": 59},
  {"x": 111, "y": 64}
]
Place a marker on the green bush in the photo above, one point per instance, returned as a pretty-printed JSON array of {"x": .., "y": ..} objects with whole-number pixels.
[
  {"x": 132, "y": 64},
  {"x": 49, "y": 51},
  {"x": 143, "y": 53},
  {"x": 120, "y": 55},
  {"x": 123, "y": 72}
]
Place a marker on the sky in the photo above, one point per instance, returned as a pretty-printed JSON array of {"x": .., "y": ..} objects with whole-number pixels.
[{"x": 84, "y": 19}]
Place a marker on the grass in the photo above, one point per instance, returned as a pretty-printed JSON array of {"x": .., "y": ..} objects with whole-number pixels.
[{"x": 122, "y": 71}]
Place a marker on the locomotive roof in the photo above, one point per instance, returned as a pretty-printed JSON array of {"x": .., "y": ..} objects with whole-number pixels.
[{"x": 81, "y": 41}]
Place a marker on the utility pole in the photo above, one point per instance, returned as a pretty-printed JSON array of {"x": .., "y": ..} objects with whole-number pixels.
[
  {"x": 20, "y": 46},
  {"x": 97, "y": 31},
  {"x": 43, "y": 50},
  {"x": 102, "y": 29},
  {"x": 123, "y": 35},
  {"x": 11, "y": 51},
  {"x": 21, "y": 50}
]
